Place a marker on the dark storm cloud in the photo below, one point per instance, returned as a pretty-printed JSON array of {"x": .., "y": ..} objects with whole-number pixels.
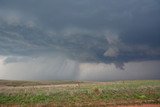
[{"x": 87, "y": 30}]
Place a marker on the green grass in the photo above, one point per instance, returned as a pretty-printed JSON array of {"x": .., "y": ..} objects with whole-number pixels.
[{"x": 128, "y": 92}]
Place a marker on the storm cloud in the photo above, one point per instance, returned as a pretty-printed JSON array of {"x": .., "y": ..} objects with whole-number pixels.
[{"x": 65, "y": 35}]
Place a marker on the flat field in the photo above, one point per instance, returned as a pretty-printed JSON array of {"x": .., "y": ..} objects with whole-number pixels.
[{"x": 75, "y": 93}]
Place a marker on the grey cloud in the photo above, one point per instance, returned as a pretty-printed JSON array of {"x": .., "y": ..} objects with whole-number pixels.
[
  {"x": 133, "y": 70},
  {"x": 87, "y": 14},
  {"x": 17, "y": 59},
  {"x": 52, "y": 67},
  {"x": 79, "y": 44},
  {"x": 114, "y": 44},
  {"x": 48, "y": 67},
  {"x": 86, "y": 31}
]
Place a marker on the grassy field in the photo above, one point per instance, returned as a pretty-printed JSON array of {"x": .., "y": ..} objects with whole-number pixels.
[{"x": 72, "y": 93}]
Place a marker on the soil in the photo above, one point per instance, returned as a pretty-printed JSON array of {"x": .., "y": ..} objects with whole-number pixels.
[{"x": 144, "y": 105}]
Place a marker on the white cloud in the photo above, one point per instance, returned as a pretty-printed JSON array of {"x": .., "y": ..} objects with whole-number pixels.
[
  {"x": 112, "y": 52},
  {"x": 114, "y": 45}
]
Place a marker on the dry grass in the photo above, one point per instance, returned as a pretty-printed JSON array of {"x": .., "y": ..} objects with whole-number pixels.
[{"x": 80, "y": 93}]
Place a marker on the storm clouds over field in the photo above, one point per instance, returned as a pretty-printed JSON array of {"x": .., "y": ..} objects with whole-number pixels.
[{"x": 79, "y": 39}]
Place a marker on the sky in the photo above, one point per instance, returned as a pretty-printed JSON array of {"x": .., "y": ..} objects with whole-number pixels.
[{"x": 93, "y": 40}]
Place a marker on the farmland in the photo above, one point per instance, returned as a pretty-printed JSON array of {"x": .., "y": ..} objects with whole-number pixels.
[{"x": 75, "y": 93}]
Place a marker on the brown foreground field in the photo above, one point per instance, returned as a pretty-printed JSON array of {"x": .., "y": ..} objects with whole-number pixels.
[{"x": 144, "y": 93}]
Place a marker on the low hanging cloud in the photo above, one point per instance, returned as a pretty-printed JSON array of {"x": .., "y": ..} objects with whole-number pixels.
[
  {"x": 48, "y": 67},
  {"x": 109, "y": 33},
  {"x": 51, "y": 67},
  {"x": 133, "y": 70}
]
